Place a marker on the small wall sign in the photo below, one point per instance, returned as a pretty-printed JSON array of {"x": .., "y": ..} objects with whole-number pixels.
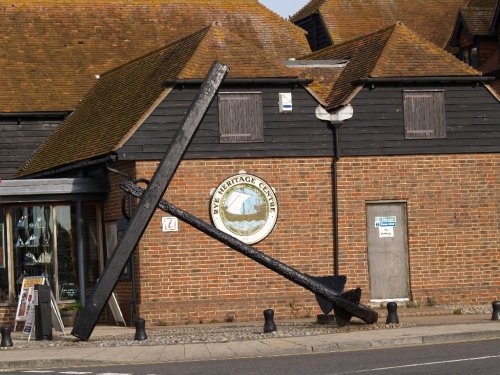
[
  {"x": 244, "y": 206},
  {"x": 385, "y": 221},
  {"x": 169, "y": 224}
]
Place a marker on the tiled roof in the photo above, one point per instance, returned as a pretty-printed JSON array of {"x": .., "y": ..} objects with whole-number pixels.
[
  {"x": 482, "y": 3},
  {"x": 347, "y": 19},
  {"x": 52, "y": 49},
  {"x": 323, "y": 79},
  {"x": 477, "y": 20},
  {"x": 118, "y": 102},
  {"x": 392, "y": 52},
  {"x": 492, "y": 63}
]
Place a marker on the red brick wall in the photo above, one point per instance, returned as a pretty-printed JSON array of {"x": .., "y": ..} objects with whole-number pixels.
[
  {"x": 188, "y": 277},
  {"x": 113, "y": 212},
  {"x": 112, "y": 207},
  {"x": 453, "y": 221},
  {"x": 453, "y": 228},
  {"x": 8, "y": 316}
]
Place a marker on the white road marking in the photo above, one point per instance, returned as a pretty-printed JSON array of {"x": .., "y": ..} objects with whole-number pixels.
[
  {"x": 75, "y": 372},
  {"x": 419, "y": 364},
  {"x": 114, "y": 373},
  {"x": 39, "y": 371}
]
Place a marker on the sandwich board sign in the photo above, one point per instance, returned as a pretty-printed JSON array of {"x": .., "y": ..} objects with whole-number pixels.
[
  {"x": 32, "y": 301},
  {"x": 25, "y": 298},
  {"x": 27, "y": 302}
]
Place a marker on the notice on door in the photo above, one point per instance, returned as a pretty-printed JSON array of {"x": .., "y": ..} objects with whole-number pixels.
[
  {"x": 386, "y": 232},
  {"x": 385, "y": 225},
  {"x": 385, "y": 221}
]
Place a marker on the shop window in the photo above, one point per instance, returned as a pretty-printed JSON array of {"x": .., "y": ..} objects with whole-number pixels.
[
  {"x": 424, "y": 114},
  {"x": 240, "y": 117},
  {"x": 42, "y": 242},
  {"x": 67, "y": 257},
  {"x": 92, "y": 245},
  {"x": 33, "y": 243}
]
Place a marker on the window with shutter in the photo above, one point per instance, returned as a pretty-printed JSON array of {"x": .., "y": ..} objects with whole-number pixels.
[
  {"x": 424, "y": 114},
  {"x": 240, "y": 117}
]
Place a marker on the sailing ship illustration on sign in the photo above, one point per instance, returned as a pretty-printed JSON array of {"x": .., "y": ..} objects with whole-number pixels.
[{"x": 241, "y": 206}]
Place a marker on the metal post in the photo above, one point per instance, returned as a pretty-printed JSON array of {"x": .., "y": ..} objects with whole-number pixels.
[
  {"x": 80, "y": 249},
  {"x": 392, "y": 313},
  {"x": 269, "y": 325},
  {"x": 336, "y": 157}
]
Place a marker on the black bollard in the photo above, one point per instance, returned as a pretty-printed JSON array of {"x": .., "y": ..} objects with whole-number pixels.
[
  {"x": 496, "y": 310},
  {"x": 392, "y": 313},
  {"x": 43, "y": 313},
  {"x": 269, "y": 325},
  {"x": 6, "y": 339},
  {"x": 140, "y": 330}
]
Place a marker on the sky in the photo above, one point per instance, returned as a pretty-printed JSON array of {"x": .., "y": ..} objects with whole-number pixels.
[{"x": 284, "y": 8}]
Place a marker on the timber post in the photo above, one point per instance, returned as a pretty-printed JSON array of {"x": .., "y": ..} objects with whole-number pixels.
[{"x": 162, "y": 177}]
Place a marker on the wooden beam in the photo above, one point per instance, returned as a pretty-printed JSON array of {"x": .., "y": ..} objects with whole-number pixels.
[{"x": 87, "y": 318}]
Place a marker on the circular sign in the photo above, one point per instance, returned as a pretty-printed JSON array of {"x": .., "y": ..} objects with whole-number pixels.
[{"x": 245, "y": 207}]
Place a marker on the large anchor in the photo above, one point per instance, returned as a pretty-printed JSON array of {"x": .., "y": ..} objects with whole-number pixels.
[{"x": 345, "y": 305}]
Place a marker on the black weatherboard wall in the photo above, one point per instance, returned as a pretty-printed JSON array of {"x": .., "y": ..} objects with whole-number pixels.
[
  {"x": 298, "y": 133},
  {"x": 472, "y": 116},
  {"x": 20, "y": 136}
]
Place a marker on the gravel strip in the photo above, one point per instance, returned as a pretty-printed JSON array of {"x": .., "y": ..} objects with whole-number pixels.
[{"x": 209, "y": 334}]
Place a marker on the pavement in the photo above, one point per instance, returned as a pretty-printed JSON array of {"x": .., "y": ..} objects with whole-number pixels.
[{"x": 416, "y": 329}]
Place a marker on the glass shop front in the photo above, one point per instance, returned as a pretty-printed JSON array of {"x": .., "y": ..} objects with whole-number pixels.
[{"x": 41, "y": 240}]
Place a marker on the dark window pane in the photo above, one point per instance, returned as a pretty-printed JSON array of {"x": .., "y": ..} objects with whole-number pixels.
[{"x": 67, "y": 259}]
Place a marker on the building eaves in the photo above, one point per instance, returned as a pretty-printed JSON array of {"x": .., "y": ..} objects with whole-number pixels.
[{"x": 395, "y": 53}]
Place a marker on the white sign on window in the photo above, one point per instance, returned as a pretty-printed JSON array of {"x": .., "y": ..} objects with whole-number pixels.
[{"x": 169, "y": 224}]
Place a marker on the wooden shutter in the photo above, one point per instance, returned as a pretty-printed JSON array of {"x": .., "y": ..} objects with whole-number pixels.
[
  {"x": 240, "y": 117},
  {"x": 424, "y": 114}
]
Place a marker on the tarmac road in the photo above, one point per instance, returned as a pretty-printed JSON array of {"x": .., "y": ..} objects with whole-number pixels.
[
  {"x": 224, "y": 342},
  {"x": 477, "y": 357}
]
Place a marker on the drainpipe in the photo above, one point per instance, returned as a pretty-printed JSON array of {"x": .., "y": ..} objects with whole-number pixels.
[
  {"x": 336, "y": 120},
  {"x": 336, "y": 156},
  {"x": 80, "y": 246}
]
